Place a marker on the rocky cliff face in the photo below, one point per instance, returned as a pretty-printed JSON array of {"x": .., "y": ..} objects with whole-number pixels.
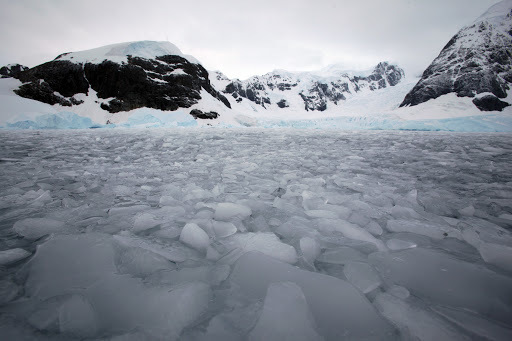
[
  {"x": 477, "y": 60},
  {"x": 11, "y": 70},
  {"x": 165, "y": 82},
  {"x": 316, "y": 91}
]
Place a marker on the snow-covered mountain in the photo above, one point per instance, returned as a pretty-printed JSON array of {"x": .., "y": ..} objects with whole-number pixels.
[
  {"x": 108, "y": 83},
  {"x": 309, "y": 91},
  {"x": 476, "y": 63},
  {"x": 154, "y": 84},
  {"x": 123, "y": 76}
]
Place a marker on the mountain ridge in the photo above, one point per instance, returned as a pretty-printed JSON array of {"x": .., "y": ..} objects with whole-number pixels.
[
  {"x": 127, "y": 76},
  {"x": 476, "y": 61},
  {"x": 317, "y": 91}
]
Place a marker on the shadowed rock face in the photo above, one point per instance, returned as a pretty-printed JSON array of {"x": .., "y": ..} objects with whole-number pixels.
[
  {"x": 476, "y": 60},
  {"x": 11, "y": 70},
  {"x": 319, "y": 92},
  {"x": 165, "y": 83},
  {"x": 490, "y": 103},
  {"x": 196, "y": 113}
]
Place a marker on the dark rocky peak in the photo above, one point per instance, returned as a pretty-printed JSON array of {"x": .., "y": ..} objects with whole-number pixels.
[
  {"x": 142, "y": 79},
  {"x": 391, "y": 73},
  {"x": 12, "y": 70},
  {"x": 478, "y": 59}
]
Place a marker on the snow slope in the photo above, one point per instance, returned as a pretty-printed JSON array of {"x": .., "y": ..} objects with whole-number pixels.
[{"x": 118, "y": 52}]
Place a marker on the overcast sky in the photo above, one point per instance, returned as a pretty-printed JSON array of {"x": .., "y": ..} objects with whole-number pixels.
[{"x": 242, "y": 38}]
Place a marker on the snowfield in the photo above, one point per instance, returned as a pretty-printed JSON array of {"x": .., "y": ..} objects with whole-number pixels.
[{"x": 255, "y": 234}]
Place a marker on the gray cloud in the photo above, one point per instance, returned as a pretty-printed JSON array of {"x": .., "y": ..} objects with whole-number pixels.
[{"x": 242, "y": 38}]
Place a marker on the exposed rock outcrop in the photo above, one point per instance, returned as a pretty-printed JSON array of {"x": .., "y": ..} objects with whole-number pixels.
[
  {"x": 317, "y": 91},
  {"x": 478, "y": 59},
  {"x": 11, "y": 70},
  {"x": 490, "y": 103},
  {"x": 166, "y": 82},
  {"x": 211, "y": 115}
]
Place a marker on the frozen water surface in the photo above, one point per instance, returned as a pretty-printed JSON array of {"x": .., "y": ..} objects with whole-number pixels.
[{"x": 218, "y": 234}]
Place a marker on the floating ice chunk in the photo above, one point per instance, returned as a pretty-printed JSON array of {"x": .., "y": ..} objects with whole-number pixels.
[
  {"x": 425, "y": 228},
  {"x": 374, "y": 228},
  {"x": 174, "y": 254},
  {"x": 168, "y": 200},
  {"x": 475, "y": 324},
  {"x": 362, "y": 276},
  {"x": 227, "y": 211},
  {"x": 197, "y": 194},
  {"x": 506, "y": 216},
  {"x": 264, "y": 242},
  {"x": 223, "y": 229},
  {"x": 141, "y": 262},
  {"x": 285, "y": 316},
  {"x": 213, "y": 275},
  {"x": 195, "y": 237},
  {"x": 233, "y": 325},
  {"x": 12, "y": 256},
  {"x": 34, "y": 228},
  {"x": 287, "y": 207},
  {"x": 399, "y": 292},
  {"x": 398, "y": 244},
  {"x": 167, "y": 232},
  {"x": 350, "y": 231},
  {"x": 364, "y": 208},
  {"x": 8, "y": 291},
  {"x": 309, "y": 248},
  {"x": 204, "y": 214},
  {"x": 123, "y": 303},
  {"x": 295, "y": 227},
  {"x": 127, "y": 210},
  {"x": 340, "y": 310},
  {"x": 259, "y": 224},
  {"x": 42, "y": 199},
  {"x": 121, "y": 190},
  {"x": 359, "y": 219},
  {"x": 321, "y": 214},
  {"x": 65, "y": 263},
  {"x": 482, "y": 230},
  {"x": 212, "y": 254},
  {"x": 77, "y": 317},
  {"x": 491, "y": 252},
  {"x": 342, "y": 255},
  {"x": 400, "y": 212},
  {"x": 45, "y": 316},
  {"x": 467, "y": 211},
  {"x": 146, "y": 188},
  {"x": 341, "y": 211},
  {"x": 171, "y": 190},
  {"x": 499, "y": 255},
  {"x": 447, "y": 280},
  {"x": 414, "y": 322},
  {"x": 144, "y": 221},
  {"x": 335, "y": 198},
  {"x": 274, "y": 222}
]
